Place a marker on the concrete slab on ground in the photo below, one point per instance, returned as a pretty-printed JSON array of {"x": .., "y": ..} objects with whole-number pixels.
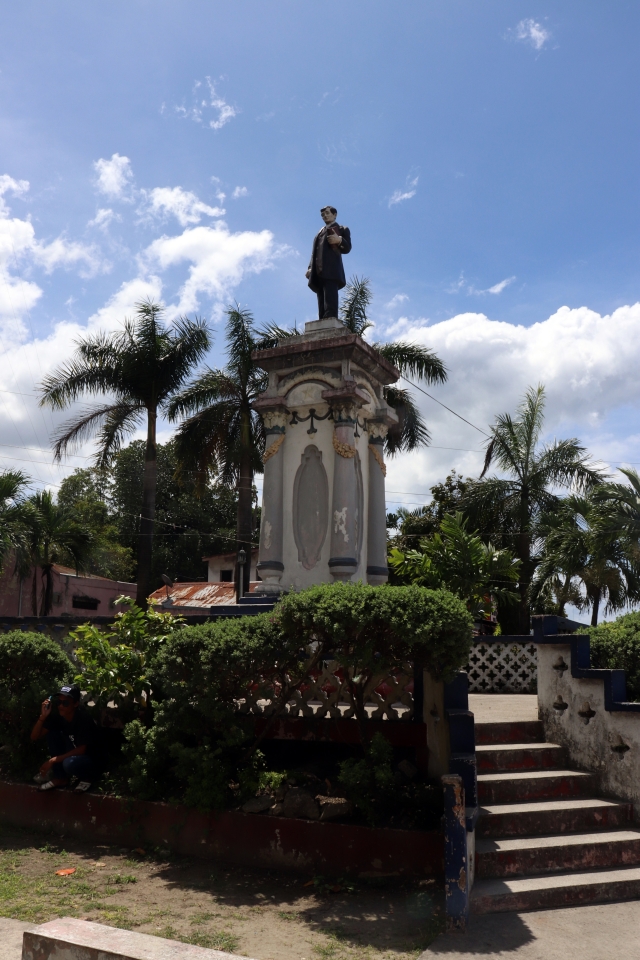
[
  {"x": 11, "y": 938},
  {"x": 604, "y": 931},
  {"x": 503, "y": 707}
]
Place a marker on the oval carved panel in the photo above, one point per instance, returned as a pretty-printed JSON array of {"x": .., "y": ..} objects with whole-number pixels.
[{"x": 310, "y": 507}]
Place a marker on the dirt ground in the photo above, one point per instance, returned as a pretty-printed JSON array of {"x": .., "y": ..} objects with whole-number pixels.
[{"x": 257, "y": 913}]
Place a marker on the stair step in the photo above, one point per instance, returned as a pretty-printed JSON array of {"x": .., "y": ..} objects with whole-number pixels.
[
  {"x": 549, "y": 816},
  {"x": 553, "y": 854},
  {"x": 533, "y": 785},
  {"x": 516, "y": 731},
  {"x": 555, "y": 890},
  {"x": 519, "y": 756}
]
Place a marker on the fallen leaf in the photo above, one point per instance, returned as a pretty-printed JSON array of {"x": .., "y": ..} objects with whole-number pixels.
[
  {"x": 336, "y": 889},
  {"x": 140, "y": 851},
  {"x": 66, "y": 872},
  {"x": 310, "y": 883}
]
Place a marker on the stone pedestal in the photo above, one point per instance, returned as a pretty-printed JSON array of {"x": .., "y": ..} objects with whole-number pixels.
[{"x": 323, "y": 511}]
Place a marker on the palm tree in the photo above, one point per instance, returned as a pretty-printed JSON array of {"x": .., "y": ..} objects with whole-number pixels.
[
  {"x": 222, "y": 431},
  {"x": 140, "y": 369},
  {"x": 584, "y": 546},
  {"x": 56, "y": 537},
  {"x": 457, "y": 559},
  {"x": 521, "y": 499},
  {"x": 15, "y": 515}
]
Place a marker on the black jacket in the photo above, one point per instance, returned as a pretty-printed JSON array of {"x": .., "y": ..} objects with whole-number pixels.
[{"x": 332, "y": 268}]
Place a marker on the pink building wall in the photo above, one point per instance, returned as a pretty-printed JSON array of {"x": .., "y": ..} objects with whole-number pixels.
[{"x": 86, "y": 588}]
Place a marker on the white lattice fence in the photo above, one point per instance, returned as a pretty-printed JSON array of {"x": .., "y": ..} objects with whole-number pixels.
[
  {"x": 509, "y": 667},
  {"x": 326, "y": 694}
]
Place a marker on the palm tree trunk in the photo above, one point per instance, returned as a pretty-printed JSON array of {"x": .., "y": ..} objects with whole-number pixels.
[
  {"x": 147, "y": 517},
  {"x": 47, "y": 600},
  {"x": 524, "y": 555},
  {"x": 244, "y": 525},
  {"x": 595, "y": 607}
]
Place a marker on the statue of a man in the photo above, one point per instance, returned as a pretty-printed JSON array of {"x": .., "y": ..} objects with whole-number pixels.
[{"x": 326, "y": 273}]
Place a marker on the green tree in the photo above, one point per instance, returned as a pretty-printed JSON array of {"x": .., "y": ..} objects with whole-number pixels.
[
  {"x": 55, "y": 537},
  {"x": 84, "y": 493},
  {"x": 221, "y": 431},
  {"x": 16, "y": 517},
  {"x": 140, "y": 369},
  {"x": 455, "y": 559},
  {"x": 584, "y": 547},
  {"x": 516, "y": 503},
  {"x": 193, "y": 520},
  {"x": 413, "y": 525}
]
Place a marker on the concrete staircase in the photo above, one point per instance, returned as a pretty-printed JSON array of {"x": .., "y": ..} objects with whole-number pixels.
[{"x": 544, "y": 839}]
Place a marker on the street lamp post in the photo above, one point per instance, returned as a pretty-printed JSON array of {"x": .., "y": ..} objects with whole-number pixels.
[{"x": 242, "y": 559}]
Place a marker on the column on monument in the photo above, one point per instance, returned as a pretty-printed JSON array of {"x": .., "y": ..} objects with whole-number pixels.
[
  {"x": 377, "y": 570},
  {"x": 270, "y": 554},
  {"x": 344, "y": 561}
]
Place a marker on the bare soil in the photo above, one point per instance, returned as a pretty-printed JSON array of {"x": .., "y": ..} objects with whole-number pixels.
[{"x": 257, "y": 913}]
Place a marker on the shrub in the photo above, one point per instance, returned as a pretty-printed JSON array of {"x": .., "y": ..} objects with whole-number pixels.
[
  {"x": 616, "y": 646},
  {"x": 31, "y": 668},
  {"x": 114, "y": 662},
  {"x": 200, "y": 747}
]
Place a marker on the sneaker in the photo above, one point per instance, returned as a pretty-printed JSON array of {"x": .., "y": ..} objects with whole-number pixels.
[
  {"x": 42, "y": 778},
  {"x": 82, "y": 787}
]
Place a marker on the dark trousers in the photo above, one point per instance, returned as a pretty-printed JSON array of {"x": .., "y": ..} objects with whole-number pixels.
[
  {"x": 328, "y": 299},
  {"x": 79, "y": 766}
]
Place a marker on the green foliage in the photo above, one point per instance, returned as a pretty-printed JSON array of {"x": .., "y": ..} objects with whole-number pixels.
[
  {"x": 114, "y": 663},
  {"x": 412, "y": 525},
  {"x": 455, "y": 559},
  {"x": 372, "y": 629},
  {"x": 616, "y": 646},
  {"x": 369, "y": 783},
  {"x": 85, "y": 493},
  {"x": 193, "y": 520},
  {"x": 32, "y": 667}
]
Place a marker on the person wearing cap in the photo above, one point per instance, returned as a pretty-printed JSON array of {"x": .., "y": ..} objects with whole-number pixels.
[
  {"x": 72, "y": 738},
  {"x": 326, "y": 272}
]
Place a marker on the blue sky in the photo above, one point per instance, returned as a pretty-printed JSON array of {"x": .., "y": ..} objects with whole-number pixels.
[{"x": 484, "y": 155}]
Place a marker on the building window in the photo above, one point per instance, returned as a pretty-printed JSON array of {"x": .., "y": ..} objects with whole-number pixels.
[
  {"x": 226, "y": 576},
  {"x": 85, "y": 603}
]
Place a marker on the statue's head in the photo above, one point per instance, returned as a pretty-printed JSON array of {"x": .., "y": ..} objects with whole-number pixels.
[{"x": 328, "y": 214}]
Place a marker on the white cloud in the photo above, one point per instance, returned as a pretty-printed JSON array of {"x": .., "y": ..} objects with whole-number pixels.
[
  {"x": 396, "y": 300},
  {"x": 218, "y": 260},
  {"x": 530, "y": 31},
  {"x": 114, "y": 177},
  {"x": 239, "y": 192},
  {"x": 593, "y": 390},
  {"x": 182, "y": 204},
  {"x": 496, "y": 289},
  {"x": 202, "y": 106},
  {"x": 8, "y": 185},
  {"x": 103, "y": 218},
  {"x": 409, "y": 191}
]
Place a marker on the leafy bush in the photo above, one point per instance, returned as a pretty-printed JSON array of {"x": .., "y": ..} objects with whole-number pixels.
[
  {"x": 616, "y": 646},
  {"x": 31, "y": 668},
  {"x": 201, "y": 748},
  {"x": 114, "y": 662}
]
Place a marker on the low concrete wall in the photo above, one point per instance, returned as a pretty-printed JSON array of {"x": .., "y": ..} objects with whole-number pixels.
[
  {"x": 303, "y": 846},
  {"x": 573, "y": 710}
]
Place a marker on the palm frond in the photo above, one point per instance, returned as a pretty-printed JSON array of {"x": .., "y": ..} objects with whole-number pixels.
[
  {"x": 80, "y": 428},
  {"x": 413, "y": 360},
  {"x": 411, "y": 431},
  {"x": 353, "y": 309}
]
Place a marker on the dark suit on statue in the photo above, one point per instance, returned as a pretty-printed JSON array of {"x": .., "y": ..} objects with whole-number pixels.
[{"x": 327, "y": 272}]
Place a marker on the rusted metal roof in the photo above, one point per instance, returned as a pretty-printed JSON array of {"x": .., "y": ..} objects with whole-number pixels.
[{"x": 198, "y": 594}]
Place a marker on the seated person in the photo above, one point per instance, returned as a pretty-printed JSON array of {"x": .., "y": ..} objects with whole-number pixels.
[{"x": 73, "y": 741}]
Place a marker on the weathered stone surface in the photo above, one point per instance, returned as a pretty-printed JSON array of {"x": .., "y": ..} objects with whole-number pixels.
[
  {"x": 69, "y": 939},
  {"x": 277, "y": 810},
  {"x": 257, "y": 805},
  {"x": 299, "y": 803},
  {"x": 333, "y": 807}
]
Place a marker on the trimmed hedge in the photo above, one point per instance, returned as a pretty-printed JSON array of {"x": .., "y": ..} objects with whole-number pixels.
[
  {"x": 31, "y": 667},
  {"x": 616, "y": 646},
  {"x": 198, "y": 744}
]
